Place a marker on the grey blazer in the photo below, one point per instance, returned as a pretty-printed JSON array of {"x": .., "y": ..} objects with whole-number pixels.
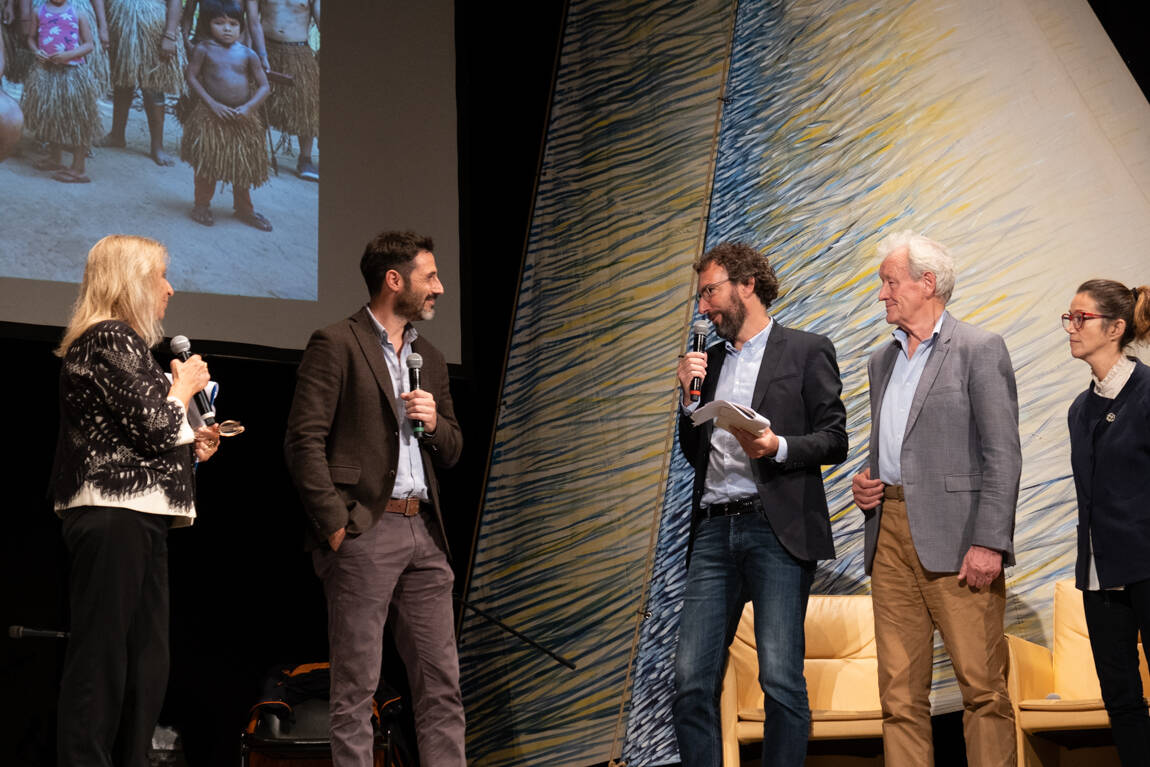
[{"x": 961, "y": 458}]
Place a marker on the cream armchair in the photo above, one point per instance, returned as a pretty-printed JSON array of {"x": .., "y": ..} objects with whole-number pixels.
[
  {"x": 1057, "y": 689},
  {"x": 841, "y": 668}
]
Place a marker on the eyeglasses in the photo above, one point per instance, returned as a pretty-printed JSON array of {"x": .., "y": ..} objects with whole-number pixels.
[
  {"x": 1075, "y": 319},
  {"x": 707, "y": 291}
]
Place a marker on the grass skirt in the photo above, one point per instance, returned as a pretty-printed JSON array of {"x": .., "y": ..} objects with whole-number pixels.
[
  {"x": 136, "y": 29},
  {"x": 97, "y": 60},
  {"x": 231, "y": 151},
  {"x": 59, "y": 104},
  {"x": 17, "y": 58},
  {"x": 294, "y": 109}
]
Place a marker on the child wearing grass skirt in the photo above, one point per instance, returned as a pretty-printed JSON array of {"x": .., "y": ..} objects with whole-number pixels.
[
  {"x": 223, "y": 135},
  {"x": 60, "y": 91}
]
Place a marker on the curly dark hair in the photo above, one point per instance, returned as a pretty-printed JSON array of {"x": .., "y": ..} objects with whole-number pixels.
[
  {"x": 743, "y": 263},
  {"x": 391, "y": 250}
]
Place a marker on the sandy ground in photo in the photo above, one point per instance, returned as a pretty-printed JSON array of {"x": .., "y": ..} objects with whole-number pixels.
[{"x": 47, "y": 227}]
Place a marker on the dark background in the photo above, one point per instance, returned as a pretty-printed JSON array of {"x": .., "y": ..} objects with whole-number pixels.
[{"x": 244, "y": 597}]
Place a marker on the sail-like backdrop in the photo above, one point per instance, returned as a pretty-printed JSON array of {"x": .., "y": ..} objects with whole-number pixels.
[{"x": 1010, "y": 131}]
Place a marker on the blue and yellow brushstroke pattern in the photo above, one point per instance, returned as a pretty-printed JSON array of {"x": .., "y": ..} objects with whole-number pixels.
[{"x": 811, "y": 129}]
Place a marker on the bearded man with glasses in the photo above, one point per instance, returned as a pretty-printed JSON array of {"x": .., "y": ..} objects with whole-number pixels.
[{"x": 759, "y": 511}]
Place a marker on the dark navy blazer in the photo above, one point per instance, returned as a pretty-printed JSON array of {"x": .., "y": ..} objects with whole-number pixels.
[
  {"x": 798, "y": 388},
  {"x": 1110, "y": 456}
]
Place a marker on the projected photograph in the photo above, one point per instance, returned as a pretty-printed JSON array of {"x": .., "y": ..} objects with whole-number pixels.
[{"x": 195, "y": 123}]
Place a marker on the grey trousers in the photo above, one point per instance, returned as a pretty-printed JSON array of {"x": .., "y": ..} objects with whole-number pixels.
[{"x": 396, "y": 568}]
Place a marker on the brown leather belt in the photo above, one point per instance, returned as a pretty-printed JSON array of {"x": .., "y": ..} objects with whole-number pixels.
[
  {"x": 408, "y": 507},
  {"x": 893, "y": 492}
]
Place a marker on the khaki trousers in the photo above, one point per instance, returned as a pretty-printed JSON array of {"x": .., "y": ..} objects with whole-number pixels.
[{"x": 909, "y": 603}]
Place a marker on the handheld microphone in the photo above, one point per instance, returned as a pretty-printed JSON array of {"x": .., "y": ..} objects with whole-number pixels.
[
  {"x": 182, "y": 348},
  {"x": 414, "y": 363},
  {"x": 698, "y": 343},
  {"x": 19, "y": 632}
]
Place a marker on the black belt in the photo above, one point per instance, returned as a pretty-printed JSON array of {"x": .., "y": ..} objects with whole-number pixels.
[{"x": 731, "y": 508}]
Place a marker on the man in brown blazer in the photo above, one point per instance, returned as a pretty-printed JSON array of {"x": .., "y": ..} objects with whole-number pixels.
[{"x": 366, "y": 477}]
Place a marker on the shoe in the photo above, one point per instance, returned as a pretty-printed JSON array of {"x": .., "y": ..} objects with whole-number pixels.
[{"x": 307, "y": 171}]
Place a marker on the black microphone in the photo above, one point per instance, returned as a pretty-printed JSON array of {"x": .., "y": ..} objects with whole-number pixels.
[
  {"x": 182, "y": 348},
  {"x": 698, "y": 343},
  {"x": 414, "y": 363},
  {"x": 19, "y": 632}
]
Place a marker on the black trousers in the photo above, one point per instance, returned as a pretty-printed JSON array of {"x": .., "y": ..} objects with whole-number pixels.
[
  {"x": 1114, "y": 619},
  {"x": 116, "y": 665}
]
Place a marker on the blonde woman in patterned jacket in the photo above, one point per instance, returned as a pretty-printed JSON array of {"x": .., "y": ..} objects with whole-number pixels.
[{"x": 123, "y": 475}]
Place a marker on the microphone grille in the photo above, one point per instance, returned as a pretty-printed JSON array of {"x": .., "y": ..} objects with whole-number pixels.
[
  {"x": 180, "y": 344},
  {"x": 700, "y": 327},
  {"x": 414, "y": 361}
]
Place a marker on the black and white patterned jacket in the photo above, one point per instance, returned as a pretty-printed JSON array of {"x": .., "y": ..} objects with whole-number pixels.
[{"x": 123, "y": 442}]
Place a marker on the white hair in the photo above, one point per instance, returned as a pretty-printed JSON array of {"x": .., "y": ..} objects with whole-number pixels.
[{"x": 922, "y": 255}]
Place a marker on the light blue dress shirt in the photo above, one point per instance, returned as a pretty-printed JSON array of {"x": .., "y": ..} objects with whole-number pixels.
[
  {"x": 410, "y": 481},
  {"x": 729, "y": 473},
  {"x": 896, "y": 402}
]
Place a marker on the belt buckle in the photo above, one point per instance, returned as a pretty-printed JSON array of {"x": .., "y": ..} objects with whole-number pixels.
[{"x": 731, "y": 508}]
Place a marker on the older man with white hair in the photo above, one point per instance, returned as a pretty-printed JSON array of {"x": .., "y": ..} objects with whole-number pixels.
[{"x": 939, "y": 497}]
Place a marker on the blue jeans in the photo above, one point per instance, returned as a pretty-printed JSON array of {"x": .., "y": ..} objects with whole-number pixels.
[{"x": 735, "y": 559}]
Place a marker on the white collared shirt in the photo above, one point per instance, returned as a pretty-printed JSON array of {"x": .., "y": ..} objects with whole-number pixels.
[
  {"x": 729, "y": 473},
  {"x": 410, "y": 481}
]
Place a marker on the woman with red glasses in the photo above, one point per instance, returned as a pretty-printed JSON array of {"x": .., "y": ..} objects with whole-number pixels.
[{"x": 1110, "y": 456}]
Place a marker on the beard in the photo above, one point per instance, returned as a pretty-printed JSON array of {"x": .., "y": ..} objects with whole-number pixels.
[
  {"x": 410, "y": 305},
  {"x": 729, "y": 321}
]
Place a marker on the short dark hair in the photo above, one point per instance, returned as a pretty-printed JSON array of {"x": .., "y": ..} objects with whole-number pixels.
[
  {"x": 213, "y": 9},
  {"x": 391, "y": 250},
  {"x": 742, "y": 263},
  {"x": 1119, "y": 302}
]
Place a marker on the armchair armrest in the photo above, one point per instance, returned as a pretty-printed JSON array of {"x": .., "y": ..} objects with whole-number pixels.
[{"x": 1031, "y": 670}]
